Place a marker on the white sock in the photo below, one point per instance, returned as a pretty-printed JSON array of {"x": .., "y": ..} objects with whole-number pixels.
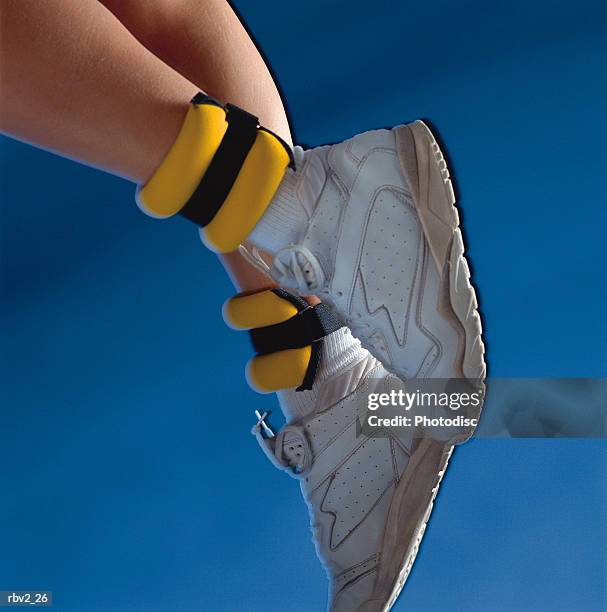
[
  {"x": 339, "y": 350},
  {"x": 286, "y": 218}
]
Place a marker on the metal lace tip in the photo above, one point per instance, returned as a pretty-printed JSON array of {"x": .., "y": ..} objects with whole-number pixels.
[{"x": 262, "y": 423}]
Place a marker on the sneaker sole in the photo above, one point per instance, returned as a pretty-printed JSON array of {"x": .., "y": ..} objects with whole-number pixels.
[
  {"x": 432, "y": 191},
  {"x": 414, "y": 496},
  {"x": 434, "y": 197}
]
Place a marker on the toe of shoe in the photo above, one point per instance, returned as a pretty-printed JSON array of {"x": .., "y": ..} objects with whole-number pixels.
[
  {"x": 372, "y": 605},
  {"x": 357, "y": 597}
]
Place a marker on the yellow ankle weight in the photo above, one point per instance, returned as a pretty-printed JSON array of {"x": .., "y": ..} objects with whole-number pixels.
[
  {"x": 286, "y": 333},
  {"x": 276, "y": 371},
  {"x": 258, "y": 310},
  {"x": 177, "y": 177},
  {"x": 221, "y": 172}
]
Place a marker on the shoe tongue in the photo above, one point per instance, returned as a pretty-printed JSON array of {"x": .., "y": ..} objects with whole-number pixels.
[
  {"x": 311, "y": 181},
  {"x": 296, "y": 404}
]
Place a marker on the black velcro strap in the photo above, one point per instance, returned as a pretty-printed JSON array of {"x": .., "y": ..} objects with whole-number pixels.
[
  {"x": 308, "y": 382},
  {"x": 223, "y": 170},
  {"x": 303, "y": 329},
  {"x": 202, "y": 98}
]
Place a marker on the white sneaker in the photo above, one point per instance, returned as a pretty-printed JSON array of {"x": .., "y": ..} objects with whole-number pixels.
[
  {"x": 369, "y": 498},
  {"x": 383, "y": 247}
]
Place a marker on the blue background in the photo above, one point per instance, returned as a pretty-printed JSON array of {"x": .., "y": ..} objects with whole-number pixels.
[{"x": 128, "y": 478}]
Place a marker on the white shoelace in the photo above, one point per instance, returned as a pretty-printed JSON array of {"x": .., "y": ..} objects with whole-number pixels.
[
  {"x": 295, "y": 267},
  {"x": 291, "y": 438},
  {"x": 287, "y": 450}
]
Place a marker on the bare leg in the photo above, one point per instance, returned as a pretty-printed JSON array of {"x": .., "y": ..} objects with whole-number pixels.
[
  {"x": 75, "y": 81},
  {"x": 206, "y": 43}
]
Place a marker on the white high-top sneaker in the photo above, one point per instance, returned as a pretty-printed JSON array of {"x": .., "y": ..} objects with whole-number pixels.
[
  {"x": 369, "y": 498},
  {"x": 381, "y": 244},
  {"x": 369, "y": 225}
]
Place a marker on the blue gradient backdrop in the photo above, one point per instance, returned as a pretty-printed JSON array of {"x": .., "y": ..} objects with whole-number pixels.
[{"x": 128, "y": 478}]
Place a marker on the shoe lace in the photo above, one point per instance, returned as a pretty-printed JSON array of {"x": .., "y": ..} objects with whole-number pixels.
[
  {"x": 295, "y": 267},
  {"x": 287, "y": 449}
]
